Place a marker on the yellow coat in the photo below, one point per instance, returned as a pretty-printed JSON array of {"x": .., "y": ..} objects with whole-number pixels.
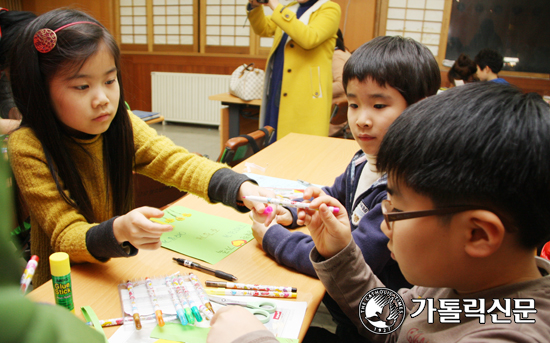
[{"x": 306, "y": 90}]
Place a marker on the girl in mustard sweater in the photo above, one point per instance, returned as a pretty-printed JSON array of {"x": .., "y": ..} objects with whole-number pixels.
[{"x": 77, "y": 147}]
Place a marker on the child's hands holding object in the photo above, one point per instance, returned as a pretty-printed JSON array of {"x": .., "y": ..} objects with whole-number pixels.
[
  {"x": 273, "y": 212},
  {"x": 258, "y": 208},
  {"x": 330, "y": 231},
  {"x": 278, "y": 214},
  {"x": 136, "y": 228},
  {"x": 309, "y": 193}
]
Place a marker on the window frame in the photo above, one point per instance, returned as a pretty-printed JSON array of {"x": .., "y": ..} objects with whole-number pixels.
[
  {"x": 199, "y": 46},
  {"x": 381, "y": 30}
]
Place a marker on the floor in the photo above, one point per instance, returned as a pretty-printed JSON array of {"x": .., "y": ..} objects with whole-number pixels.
[{"x": 206, "y": 141}]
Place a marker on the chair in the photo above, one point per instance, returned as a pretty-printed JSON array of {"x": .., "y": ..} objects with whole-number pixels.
[
  {"x": 340, "y": 116},
  {"x": 241, "y": 147}
]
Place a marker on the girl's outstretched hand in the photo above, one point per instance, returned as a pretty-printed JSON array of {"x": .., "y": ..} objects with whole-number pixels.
[
  {"x": 136, "y": 227},
  {"x": 259, "y": 209},
  {"x": 330, "y": 232}
]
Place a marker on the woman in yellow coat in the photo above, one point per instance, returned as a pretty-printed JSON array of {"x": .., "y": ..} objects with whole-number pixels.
[{"x": 298, "y": 83}]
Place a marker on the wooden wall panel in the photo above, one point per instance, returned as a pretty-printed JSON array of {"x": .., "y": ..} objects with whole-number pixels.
[
  {"x": 360, "y": 22},
  {"x": 102, "y": 10},
  {"x": 136, "y": 72},
  {"x": 137, "y": 68}
]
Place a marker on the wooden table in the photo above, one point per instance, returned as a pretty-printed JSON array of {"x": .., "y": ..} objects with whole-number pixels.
[
  {"x": 230, "y": 120},
  {"x": 315, "y": 159}
]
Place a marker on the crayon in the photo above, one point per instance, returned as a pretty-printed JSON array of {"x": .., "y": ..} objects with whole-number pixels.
[
  {"x": 255, "y": 287},
  {"x": 176, "y": 302},
  {"x": 192, "y": 309},
  {"x": 207, "y": 308},
  {"x": 28, "y": 273},
  {"x": 154, "y": 301},
  {"x": 250, "y": 293},
  {"x": 135, "y": 313}
]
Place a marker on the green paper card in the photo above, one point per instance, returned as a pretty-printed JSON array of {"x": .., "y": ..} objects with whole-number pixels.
[
  {"x": 180, "y": 333},
  {"x": 191, "y": 334},
  {"x": 203, "y": 236}
]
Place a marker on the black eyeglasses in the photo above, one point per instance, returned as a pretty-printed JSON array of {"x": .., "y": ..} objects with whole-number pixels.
[{"x": 391, "y": 217}]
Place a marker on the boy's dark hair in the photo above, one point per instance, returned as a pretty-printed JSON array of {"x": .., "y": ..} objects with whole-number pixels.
[
  {"x": 32, "y": 71},
  {"x": 483, "y": 144},
  {"x": 463, "y": 69},
  {"x": 491, "y": 58},
  {"x": 398, "y": 62}
]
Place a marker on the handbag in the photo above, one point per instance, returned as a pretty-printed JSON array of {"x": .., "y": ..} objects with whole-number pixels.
[{"x": 247, "y": 82}]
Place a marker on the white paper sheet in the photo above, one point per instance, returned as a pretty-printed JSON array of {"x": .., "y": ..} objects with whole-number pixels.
[{"x": 285, "y": 322}]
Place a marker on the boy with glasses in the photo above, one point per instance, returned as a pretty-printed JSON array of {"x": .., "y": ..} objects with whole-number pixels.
[{"x": 468, "y": 198}]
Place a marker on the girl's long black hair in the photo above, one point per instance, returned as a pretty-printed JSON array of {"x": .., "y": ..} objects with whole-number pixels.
[
  {"x": 31, "y": 73},
  {"x": 12, "y": 24},
  {"x": 340, "y": 41}
]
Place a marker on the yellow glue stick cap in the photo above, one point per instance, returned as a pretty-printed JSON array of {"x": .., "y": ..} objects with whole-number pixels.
[{"x": 59, "y": 264}]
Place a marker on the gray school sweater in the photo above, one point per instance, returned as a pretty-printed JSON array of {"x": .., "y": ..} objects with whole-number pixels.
[{"x": 348, "y": 278}]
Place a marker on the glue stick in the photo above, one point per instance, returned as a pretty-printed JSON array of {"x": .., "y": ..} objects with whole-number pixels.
[{"x": 61, "y": 280}]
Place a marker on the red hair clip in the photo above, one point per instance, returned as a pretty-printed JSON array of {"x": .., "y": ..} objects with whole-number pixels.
[{"x": 46, "y": 39}]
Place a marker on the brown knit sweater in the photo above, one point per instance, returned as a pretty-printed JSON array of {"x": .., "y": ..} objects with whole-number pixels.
[{"x": 56, "y": 226}]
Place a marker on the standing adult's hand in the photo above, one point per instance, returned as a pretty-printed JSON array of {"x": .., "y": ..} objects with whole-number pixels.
[{"x": 271, "y": 3}]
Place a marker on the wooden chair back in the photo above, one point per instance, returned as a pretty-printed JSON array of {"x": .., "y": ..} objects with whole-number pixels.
[{"x": 238, "y": 148}]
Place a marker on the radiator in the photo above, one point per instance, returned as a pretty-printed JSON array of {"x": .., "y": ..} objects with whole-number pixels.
[{"x": 183, "y": 97}]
